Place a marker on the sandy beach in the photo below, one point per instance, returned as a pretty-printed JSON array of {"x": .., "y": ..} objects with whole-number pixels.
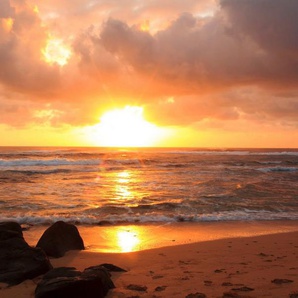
[{"x": 248, "y": 259}]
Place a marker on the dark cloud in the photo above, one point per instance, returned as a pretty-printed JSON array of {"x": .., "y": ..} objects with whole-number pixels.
[
  {"x": 205, "y": 53},
  {"x": 134, "y": 46},
  {"x": 273, "y": 24},
  {"x": 6, "y": 10}
]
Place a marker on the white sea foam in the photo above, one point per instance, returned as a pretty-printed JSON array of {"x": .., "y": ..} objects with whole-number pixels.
[
  {"x": 260, "y": 215},
  {"x": 278, "y": 169},
  {"x": 47, "y": 162}
]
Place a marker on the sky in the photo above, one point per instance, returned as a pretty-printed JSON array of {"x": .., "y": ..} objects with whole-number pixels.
[{"x": 183, "y": 73}]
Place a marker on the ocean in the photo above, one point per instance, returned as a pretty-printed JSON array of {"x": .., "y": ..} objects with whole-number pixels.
[{"x": 98, "y": 186}]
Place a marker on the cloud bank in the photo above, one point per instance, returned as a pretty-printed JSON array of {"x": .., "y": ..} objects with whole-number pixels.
[{"x": 188, "y": 62}]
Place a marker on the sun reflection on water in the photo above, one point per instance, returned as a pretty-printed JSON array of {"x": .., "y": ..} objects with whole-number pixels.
[
  {"x": 127, "y": 240},
  {"x": 123, "y": 185},
  {"x": 123, "y": 177}
]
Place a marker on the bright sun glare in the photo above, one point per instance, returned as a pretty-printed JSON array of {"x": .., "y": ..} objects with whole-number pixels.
[
  {"x": 127, "y": 241},
  {"x": 56, "y": 52},
  {"x": 126, "y": 127}
]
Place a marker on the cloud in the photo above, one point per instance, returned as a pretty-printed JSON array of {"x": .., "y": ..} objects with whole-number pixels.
[
  {"x": 81, "y": 12},
  {"x": 21, "y": 40},
  {"x": 192, "y": 61},
  {"x": 203, "y": 53},
  {"x": 6, "y": 10},
  {"x": 272, "y": 24}
]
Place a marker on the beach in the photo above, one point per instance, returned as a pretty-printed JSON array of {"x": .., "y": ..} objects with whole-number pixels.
[
  {"x": 223, "y": 223},
  {"x": 232, "y": 259}
]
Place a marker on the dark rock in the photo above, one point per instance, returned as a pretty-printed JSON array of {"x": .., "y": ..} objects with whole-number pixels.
[
  {"x": 93, "y": 282},
  {"x": 280, "y": 281},
  {"x": 102, "y": 272},
  {"x": 62, "y": 272},
  {"x": 113, "y": 268},
  {"x": 137, "y": 288},
  {"x": 60, "y": 238},
  {"x": 196, "y": 295},
  {"x": 10, "y": 230},
  {"x": 294, "y": 295},
  {"x": 19, "y": 261}
]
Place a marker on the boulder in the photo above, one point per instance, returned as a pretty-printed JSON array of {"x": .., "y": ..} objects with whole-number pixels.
[
  {"x": 10, "y": 230},
  {"x": 93, "y": 282},
  {"x": 19, "y": 261},
  {"x": 112, "y": 268},
  {"x": 60, "y": 238}
]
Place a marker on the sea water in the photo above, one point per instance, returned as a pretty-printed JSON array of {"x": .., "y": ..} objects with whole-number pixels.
[{"x": 118, "y": 186}]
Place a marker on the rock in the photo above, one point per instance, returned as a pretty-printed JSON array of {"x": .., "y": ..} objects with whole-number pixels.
[
  {"x": 62, "y": 272},
  {"x": 10, "y": 230},
  {"x": 93, "y": 282},
  {"x": 112, "y": 268},
  {"x": 60, "y": 238},
  {"x": 19, "y": 261}
]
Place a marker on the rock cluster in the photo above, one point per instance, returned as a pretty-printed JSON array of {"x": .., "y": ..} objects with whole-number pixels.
[
  {"x": 19, "y": 261},
  {"x": 68, "y": 282}
]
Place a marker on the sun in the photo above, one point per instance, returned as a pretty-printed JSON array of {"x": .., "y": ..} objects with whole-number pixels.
[{"x": 126, "y": 127}]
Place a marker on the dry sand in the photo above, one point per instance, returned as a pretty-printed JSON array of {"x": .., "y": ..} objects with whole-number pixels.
[{"x": 239, "y": 259}]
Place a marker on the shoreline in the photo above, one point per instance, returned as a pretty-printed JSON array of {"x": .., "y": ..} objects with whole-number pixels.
[
  {"x": 240, "y": 259},
  {"x": 138, "y": 237}
]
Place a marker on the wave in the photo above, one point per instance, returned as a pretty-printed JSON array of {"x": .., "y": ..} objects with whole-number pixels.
[
  {"x": 208, "y": 152},
  {"x": 83, "y": 165},
  {"x": 290, "y": 153},
  {"x": 47, "y": 162},
  {"x": 25, "y": 172},
  {"x": 259, "y": 215},
  {"x": 234, "y": 152},
  {"x": 278, "y": 169}
]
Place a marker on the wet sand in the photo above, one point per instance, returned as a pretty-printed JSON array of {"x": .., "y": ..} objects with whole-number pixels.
[{"x": 218, "y": 259}]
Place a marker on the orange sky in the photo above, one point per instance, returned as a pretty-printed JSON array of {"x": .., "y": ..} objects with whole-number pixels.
[{"x": 202, "y": 73}]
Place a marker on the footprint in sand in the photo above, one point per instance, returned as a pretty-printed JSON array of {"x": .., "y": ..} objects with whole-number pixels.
[
  {"x": 157, "y": 276},
  {"x": 208, "y": 283},
  {"x": 219, "y": 270},
  {"x": 160, "y": 288},
  {"x": 280, "y": 281},
  {"x": 243, "y": 289},
  {"x": 137, "y": 288}
]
